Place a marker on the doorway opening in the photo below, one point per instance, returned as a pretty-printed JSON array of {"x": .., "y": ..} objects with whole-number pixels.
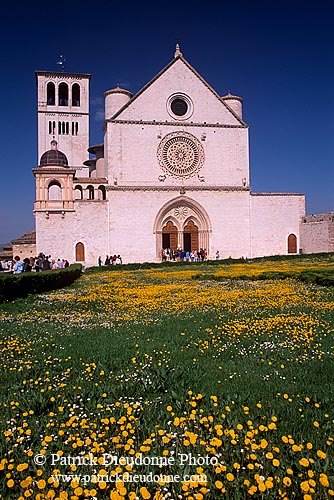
[
  {"x": 190, "y": 237},
  {"x": 169, "y": 236}
]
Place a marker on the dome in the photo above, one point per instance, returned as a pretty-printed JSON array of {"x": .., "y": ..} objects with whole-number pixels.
[
  {"x": 53, "y": 157},
  {"x": 230, "y": 96},
  {"x": 118, "y": 90}
]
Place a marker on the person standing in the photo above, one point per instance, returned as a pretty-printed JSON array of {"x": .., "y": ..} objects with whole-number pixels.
[{"x": 18, "y": 266}]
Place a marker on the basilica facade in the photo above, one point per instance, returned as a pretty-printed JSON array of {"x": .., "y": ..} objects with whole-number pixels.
[{"x": 172, "y": 172}]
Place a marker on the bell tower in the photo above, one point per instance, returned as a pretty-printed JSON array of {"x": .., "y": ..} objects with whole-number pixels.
[{"x": 63, "y": 115}]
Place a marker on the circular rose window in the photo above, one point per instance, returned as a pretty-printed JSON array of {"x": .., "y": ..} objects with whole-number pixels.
[{"x": 180, "y": 154}]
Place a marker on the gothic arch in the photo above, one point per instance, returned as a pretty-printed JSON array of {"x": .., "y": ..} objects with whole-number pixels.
[{"x": 180, "y": 211}]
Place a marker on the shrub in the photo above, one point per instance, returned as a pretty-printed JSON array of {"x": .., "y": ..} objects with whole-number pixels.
[{"x": 13, "y": 286}]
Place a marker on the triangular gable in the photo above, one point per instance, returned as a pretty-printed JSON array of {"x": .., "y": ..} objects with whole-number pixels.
[{"x": 223, "y": 113}]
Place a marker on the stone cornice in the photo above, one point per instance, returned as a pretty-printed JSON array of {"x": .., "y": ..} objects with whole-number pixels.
[
  {"x": 54, "y": 170},
  {"x": 62, "y": 75},
  {"x": 184, "y": 189},
  {"x": 90, "y": 180},
  {"x": 174, "y": 124},
  {"x": 62, "y": 112},
  {"x": 277, "y": 194}
]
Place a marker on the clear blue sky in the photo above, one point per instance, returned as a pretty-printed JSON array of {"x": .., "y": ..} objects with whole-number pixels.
[{"x": 278, "y": 56}]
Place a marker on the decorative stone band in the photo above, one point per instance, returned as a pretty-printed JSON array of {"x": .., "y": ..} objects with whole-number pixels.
[
  {"x": 176, "y": 188},
  {"x": 174, "y": 123}
]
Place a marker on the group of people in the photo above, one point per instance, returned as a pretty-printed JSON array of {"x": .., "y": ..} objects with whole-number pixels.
[
  {"x": 110, "y": 261},
  {"x": 180, "y": 255},
  {"x": 29, "y": 264}
]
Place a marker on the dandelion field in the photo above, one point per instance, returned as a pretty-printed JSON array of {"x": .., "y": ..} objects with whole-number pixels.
[{"x": 228, "y": 383}]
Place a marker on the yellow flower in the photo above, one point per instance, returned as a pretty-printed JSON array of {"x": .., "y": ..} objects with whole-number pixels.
[
  {"x": 304, "y": 462},
  {"x": 145, "y": 493},
  {"x": 22, "y": 467},
  {"x": 262, "y": 487},
  {"x": 10, "y": 483},
  {"x": 41, "y": 484},
  {"x": 305, "y": 486},
  {"x": 287, "y": 481},
  {"x": 324, "y": 480}
]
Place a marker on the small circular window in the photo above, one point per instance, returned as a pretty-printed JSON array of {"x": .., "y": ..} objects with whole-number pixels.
[{"x": 179, "y": 106}]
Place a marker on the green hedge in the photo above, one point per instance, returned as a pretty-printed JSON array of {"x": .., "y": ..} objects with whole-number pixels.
[
  {"x": 13, "y": 286},
  {"x": 321, "y": 277}
]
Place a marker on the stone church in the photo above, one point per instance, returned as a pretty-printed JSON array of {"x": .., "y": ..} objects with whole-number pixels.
[{"x": 172, "y": 172}]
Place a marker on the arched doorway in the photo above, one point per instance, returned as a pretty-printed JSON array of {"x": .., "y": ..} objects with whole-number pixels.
[
  {"x": 292, "y": 243},
  {"x": 179, "y": 216},
  {"x": 190, "y": 237},
  {"x": 79, "y": 252},
  {"x": 169, "y": 236}
]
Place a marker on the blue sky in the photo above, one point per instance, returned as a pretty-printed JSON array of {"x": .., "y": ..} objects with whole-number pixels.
[{"x": 278, "y": 56}]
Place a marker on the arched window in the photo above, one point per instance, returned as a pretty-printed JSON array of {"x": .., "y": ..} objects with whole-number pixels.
[
  {"x": 101, "y": 193},
  {"x": 67, "y": 128},
  {"x": 63, "y": 94},
  {"x": 90, "y": 193},
  {"x": 79, "y": 252},
  {"x": 75, "y": 94},
  {"x": 54, "y": 191},
  {"x": 59, "y": 128},
  {"x": 292, "y": 243},
  {"x": 50, "y": 127},
  {"x": 78, "y": 193},
  {"x": 50, "y": 94}
]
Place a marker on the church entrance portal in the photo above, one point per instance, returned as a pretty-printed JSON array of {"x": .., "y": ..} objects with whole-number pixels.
[
  {"x": 169, "y": 236},
  {"x": 182, "y": 223},
  {"x": 190, "y": 237}
]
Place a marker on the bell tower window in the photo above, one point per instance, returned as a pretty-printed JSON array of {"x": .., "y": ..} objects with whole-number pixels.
[
  {"x": 63, "y": 94},
  {"x": 50, "y": 94},
  {"x": 75, "y": 94}
]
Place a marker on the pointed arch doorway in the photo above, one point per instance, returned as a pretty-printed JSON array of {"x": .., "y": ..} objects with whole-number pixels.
[
  {"x": 183, "y": 223},
  {"x": 190, "y": 237},
  {"x": 169, "y": 236}
]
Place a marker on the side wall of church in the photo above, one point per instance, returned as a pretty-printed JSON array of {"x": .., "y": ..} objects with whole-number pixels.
[
  {"x": 58, "y": 235},
  {"x": 317, "y": 236},
  {"x": 274, "y": 217}
]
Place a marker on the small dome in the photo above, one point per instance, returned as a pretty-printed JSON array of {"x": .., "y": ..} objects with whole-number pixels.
[
  {"x": 53, "y": 157},
  {"x": 230, "y": 96},
  {"x": 118, "y": 90}
]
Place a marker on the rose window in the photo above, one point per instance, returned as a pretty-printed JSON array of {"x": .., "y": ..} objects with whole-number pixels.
[{"x": 180, "y": 154}]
